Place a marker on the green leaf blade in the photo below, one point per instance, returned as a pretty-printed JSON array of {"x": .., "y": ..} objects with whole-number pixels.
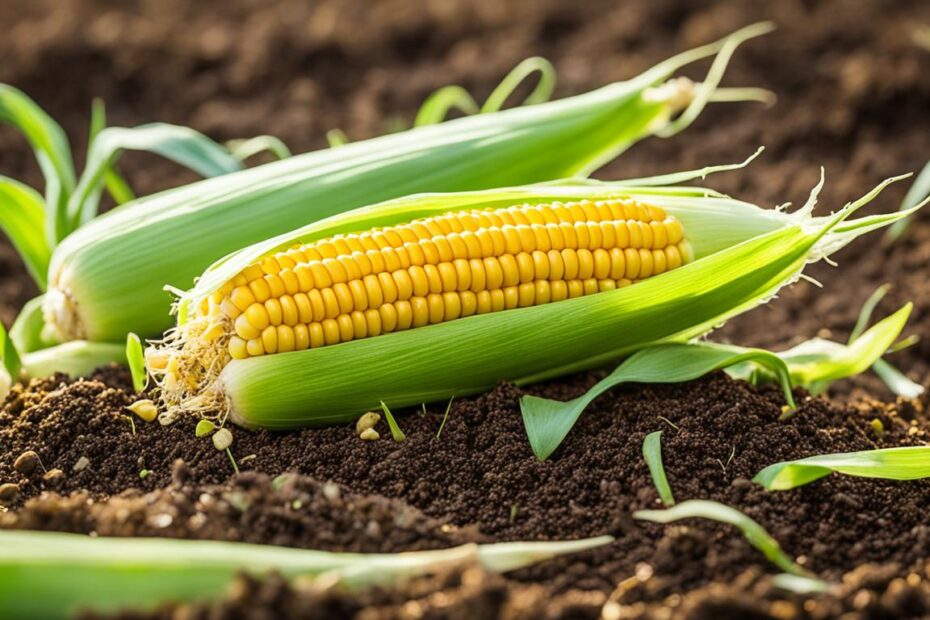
[
  {"x": 22, "y": 219},
  {"x": 652, "y": 452},
  {"x": 715, "y": 511},
  {"x": 903, "y": 463},
  {"x": 136, "y": 359}
]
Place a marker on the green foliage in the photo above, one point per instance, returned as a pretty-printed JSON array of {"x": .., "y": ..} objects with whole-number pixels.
[
  {"x": 136, "y": 359},
  {"x": 905, "y": 463},
  {"x": 715, "y": 511},
  {"x": 652, "y": 452}
]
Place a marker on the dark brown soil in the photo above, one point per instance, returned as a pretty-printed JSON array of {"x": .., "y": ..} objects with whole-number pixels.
[
  {"x": 853, "y": 96},
  {"x": 479, "y": 481}
]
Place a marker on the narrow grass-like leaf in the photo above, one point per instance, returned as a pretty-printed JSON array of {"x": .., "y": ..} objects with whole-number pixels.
[
  {"x": 22, "y": 219},
  {"x": 905, "y": 463},
  {"x": 652, "y": 452},
  {"x": 865, "y": 314},
  {"x": 438, "y": 105},
  {"x": 918, "y": 192},
  {"x": 182, "y": 145},
  {"x": 53, "y": 575},
  {"x": 541, "y": 92},
  {"x": 798, "y": 584},
  {"x": 754, "y": 533},
  {"x": 11, "y": 360},
  {"x": 77, "y": 358},
  {"x": 896, "y": 381},
  {"x": 244, "y": 149},
  {"x": 116, "y": 184},
  {"x": 52, "y": 151},
  {"x": 336, "y": 138},
  {"x": 548, "y": 422},
  {"x": 445, "y": 416},
  {"x": 136, "y": 359},
  {"x": 396, "y": 433}
]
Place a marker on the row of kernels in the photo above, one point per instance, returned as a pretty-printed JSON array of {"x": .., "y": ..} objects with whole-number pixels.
[
  {"x": 475, "y": 275},
  {"x": 484, "y": 244},
  {"x": 478, "y": 243},
  {"x": 406, "y": 314}
]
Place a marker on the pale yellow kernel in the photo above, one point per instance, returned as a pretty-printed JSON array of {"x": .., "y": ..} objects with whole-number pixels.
[
  {"x": 145, "y": 409},
  {"x": 255, "y": 347},
  {"x": 237, "y": 348}
]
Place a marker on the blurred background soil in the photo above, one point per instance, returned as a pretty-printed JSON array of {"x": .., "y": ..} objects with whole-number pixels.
[
  {"x": 853, "y": 96},
  {"x": 853, "y": 91}
]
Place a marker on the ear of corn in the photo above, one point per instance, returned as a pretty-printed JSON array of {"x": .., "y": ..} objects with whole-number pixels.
[
  {"x": 108, "y": 277},
  {"x": 743, "y": 255}
]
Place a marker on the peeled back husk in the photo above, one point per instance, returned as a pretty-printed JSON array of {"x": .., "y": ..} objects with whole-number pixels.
[{"x": 744, "y": 255}]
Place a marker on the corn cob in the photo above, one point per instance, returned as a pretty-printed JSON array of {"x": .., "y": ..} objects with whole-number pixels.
[
  {"x": 108, "y": 277},
  {"x": 439, "y": 269},
  {"x": 447, "y": 294}
]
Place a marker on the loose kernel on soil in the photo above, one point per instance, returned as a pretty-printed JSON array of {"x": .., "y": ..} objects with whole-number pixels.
[
  {"x": 145, "y": 409},
  {"x": 370, "y": 434},
  {"x": 53, "y": 476},
  {"x": 26, "y": 462},
  {"x": 204, "y": 427},
  {"x": 222, "y": 439},
  {"x": 367, "y": 421},
  {"x": 9, "y": 493}
]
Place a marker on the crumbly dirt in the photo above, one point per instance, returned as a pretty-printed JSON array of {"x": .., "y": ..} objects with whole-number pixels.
[
  {"x": 478, "y": 481},
  {"x": 853, "y": 96}
]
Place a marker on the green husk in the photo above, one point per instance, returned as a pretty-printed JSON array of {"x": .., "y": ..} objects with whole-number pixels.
[
  {"x": 108, "y": 278},
  {"x": 53, "y": 575},
  {"x": 744, "y": 256}
]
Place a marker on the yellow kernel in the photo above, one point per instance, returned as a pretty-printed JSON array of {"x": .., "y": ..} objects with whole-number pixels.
[
  {"x": 255, "y": 347},
  {"x": 244, "y": 327},
  {"x": 270, "y": 339},
  {"x": 242, "y": 297},
  {"x": 301, "y": 337},
  {"x": 145, "y": 409},
  {"x": 273, "y": 308},
  {"x": 343, "y": 297},
  {"x": 286, "y": 338},
  {"x": 237, "y": 348},
  {"x": 330, "y": 331},
  {"x": 404, "y": 314},
  {"x": 289, "y": 312}
]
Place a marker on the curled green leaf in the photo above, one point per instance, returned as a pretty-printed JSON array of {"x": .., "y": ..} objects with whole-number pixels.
[
  {"x": 548, "y": 422},
  {"x": 754, "y": 533}
]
